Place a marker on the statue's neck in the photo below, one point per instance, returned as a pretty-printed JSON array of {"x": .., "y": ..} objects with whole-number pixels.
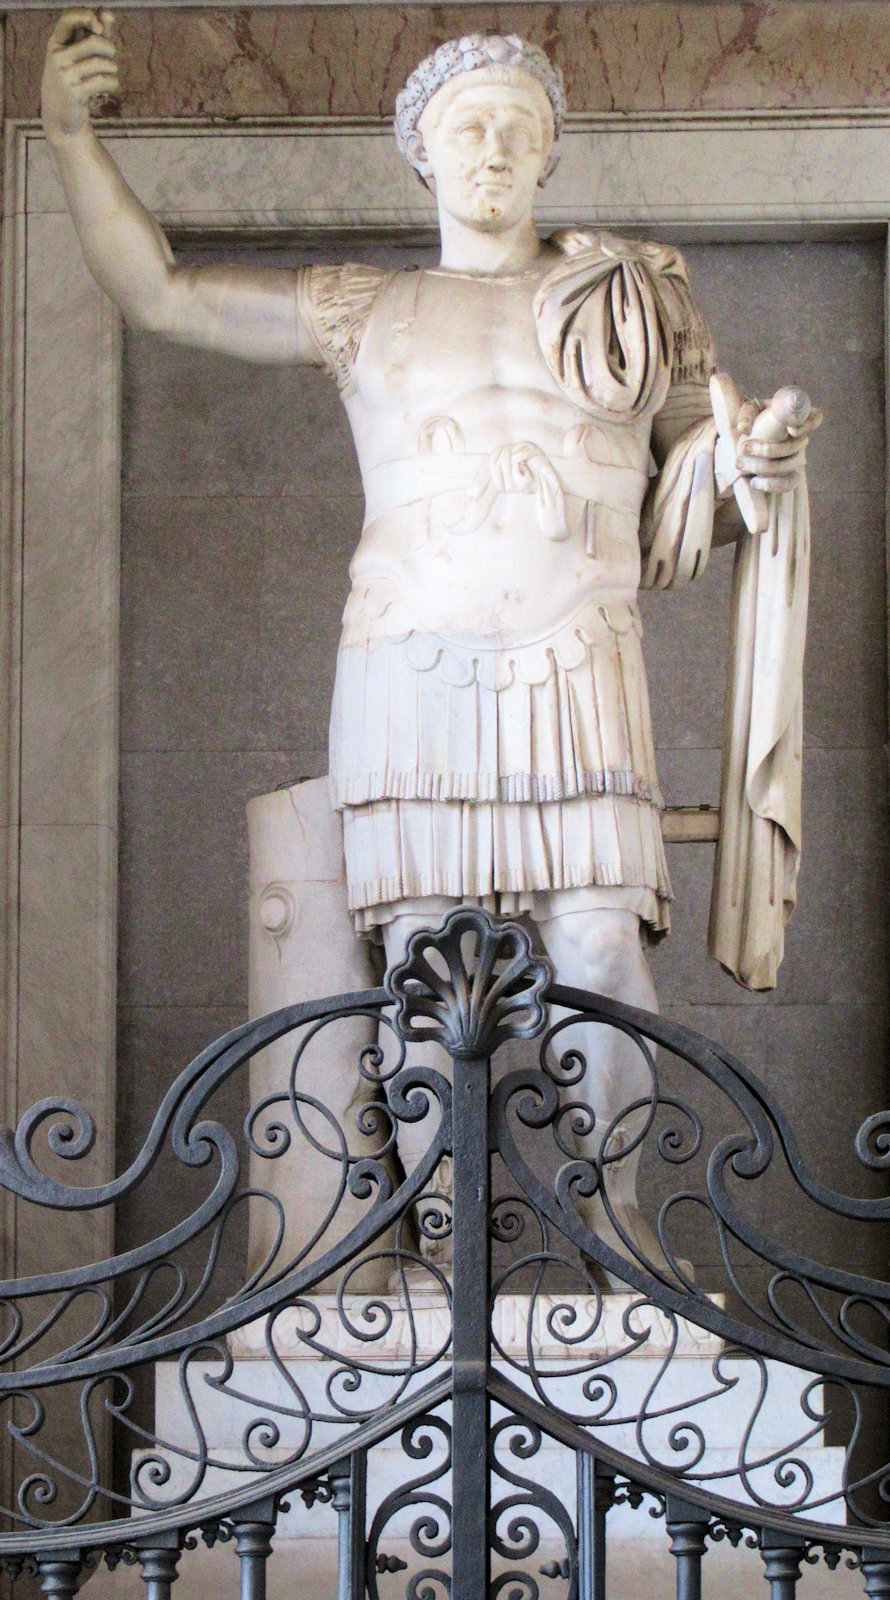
[{"x": 466, "y": 249}]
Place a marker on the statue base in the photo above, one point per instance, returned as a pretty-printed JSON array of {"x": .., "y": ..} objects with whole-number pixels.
[{"x": 667, "y": 1374}]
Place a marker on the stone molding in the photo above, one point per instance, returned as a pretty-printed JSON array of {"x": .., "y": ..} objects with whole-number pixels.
[
  {"x": 780, "y": 175},
  {"x": 516, "y": 1319}
]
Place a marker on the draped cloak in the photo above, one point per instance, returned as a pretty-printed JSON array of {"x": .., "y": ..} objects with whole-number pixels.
[{"x": 623, "y": 343}]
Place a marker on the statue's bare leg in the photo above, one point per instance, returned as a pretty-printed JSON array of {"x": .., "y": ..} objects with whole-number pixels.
[
  {"x": 601, "y": 950},
  {"x": 596, "y": 950}
]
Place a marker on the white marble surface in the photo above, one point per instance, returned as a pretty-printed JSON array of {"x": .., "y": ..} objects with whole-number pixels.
[
  {"x": 302, "y": 945},
  {"x": 636, "y": 1565},
  {"x": 552, "y": 1467},
  {"x": 430, "y": 1322},
  {"x": 648, "y": 169}
]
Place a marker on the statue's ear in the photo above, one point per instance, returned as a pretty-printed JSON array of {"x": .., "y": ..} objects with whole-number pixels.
[
  {"x": 549, "y": 166},
  {"x": 415, "y": 150}
]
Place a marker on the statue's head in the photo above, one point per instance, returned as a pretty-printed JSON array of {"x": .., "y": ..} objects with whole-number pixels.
[{"x": 479, "y": 121}]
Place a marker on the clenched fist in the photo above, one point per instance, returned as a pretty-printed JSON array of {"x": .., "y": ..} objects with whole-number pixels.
[{"x": 81, "y": 61}]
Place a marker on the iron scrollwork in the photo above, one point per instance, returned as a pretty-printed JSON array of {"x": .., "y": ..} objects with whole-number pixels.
[
  {"x": 600, "y": 1338},
  {"x": 424, "y": 1509}
]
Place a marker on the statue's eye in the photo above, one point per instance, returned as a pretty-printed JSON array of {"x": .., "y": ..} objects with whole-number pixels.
[
  {"x": 520, "y": 137},
  {"x": 471, "y": 133}
]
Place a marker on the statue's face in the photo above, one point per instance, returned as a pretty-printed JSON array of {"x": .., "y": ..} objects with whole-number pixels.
[{"x": 485, "y": 153}]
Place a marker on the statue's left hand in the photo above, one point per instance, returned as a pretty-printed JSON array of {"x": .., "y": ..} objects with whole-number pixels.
[
  {"x": 772, "y": 441},
  {"x": 761, "y": 450}
]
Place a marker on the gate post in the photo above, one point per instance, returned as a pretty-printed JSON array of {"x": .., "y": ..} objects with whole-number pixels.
[
  {"x": 478, "y": 1002},
  {"x": 470, "y": 1472}
]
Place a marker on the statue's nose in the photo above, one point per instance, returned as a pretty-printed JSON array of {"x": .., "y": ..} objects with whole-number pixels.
[{"x": 495, "y": 152}]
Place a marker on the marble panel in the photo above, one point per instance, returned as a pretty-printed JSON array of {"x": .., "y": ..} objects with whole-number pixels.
[
  {"x": 66, "y": 1018},
  {"x": 689, "y": 776},
  {"x": 184, "y": 873},
  {"x": 272, "y": 655},
  {"x": 155, "y": 1044},
  {"x": 68, "y": 878},
  {"x": 664, "y": 179},
  {"x": 69, "y": 629},
  {"x": 263, "y": 178},
  {"x": 827, "y": 1064},
  {"x": 836, "y": 946},
  {"x": 682, "y": 969},
  {"x": 686, "y": 649},
  {"x": 825, "y": 1067},
  {"x": 650, "y": 172}
]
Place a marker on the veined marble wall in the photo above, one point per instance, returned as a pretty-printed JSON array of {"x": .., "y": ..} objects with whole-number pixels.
[{"x": 349, "y": 61}]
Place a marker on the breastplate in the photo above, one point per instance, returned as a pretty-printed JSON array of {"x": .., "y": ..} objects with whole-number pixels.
[{"x": 495, "y": 506}]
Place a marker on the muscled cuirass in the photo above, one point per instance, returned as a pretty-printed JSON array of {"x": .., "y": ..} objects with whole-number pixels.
[
  {"x": 497, "y": 508},
  {"x": 491, "y": 640}
]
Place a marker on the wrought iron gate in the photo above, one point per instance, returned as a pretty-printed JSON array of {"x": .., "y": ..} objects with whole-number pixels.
[{"x": 466, "y": 1311}]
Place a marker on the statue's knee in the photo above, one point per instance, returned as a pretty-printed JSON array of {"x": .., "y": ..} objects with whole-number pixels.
[{"x": 609, "y": 952}]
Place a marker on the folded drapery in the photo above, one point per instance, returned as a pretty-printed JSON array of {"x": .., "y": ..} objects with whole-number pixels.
[{"x": 758, "y": 854}]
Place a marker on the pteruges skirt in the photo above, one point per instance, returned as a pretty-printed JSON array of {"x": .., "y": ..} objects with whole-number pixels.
[{"x": 510, "y": 779}]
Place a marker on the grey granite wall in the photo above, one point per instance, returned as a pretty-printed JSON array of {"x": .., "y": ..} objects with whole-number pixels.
[
  {"x": 811, "y": 313},
  {"x": 241, "y": 507}
]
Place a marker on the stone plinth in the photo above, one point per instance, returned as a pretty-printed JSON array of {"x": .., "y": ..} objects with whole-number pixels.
[{"x": 671, "y": 1378}]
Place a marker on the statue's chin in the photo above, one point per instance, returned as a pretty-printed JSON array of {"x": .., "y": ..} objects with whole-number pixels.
[{"x": 489, "y": 214}]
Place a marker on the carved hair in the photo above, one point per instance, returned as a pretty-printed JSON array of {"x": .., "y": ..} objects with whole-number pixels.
[{"x": 505, "y": 57}]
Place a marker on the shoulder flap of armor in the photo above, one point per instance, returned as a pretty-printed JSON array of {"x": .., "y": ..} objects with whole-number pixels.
[
  {"x": 617, "y": 324},
  {"x": 336, "y": 302}
]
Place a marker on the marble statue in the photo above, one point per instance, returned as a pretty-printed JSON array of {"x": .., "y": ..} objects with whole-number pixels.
[{"x": 540, "y": 429}]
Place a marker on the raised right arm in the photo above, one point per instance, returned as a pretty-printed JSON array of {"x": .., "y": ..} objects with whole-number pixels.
[{"x": 249, "y": 312}]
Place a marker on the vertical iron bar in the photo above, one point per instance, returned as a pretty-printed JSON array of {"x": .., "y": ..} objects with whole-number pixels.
[
  {"x": 348, "y": 1478},
  {"x": 59, "y": 1574},
  {"x": 253, "y": 1531},
  {"x": 158, "y": 1562},
  {"x": 470, "y": 1470},
  {"x": 876, "y": 1572},
  {"x": 687, "y": 1525},
  {"x": 341, "y": 1500},
  {"x": 359, "y": 1525},
  {"x": 596, "y": 1494},
  {"x": 782, "y": 1555}
]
